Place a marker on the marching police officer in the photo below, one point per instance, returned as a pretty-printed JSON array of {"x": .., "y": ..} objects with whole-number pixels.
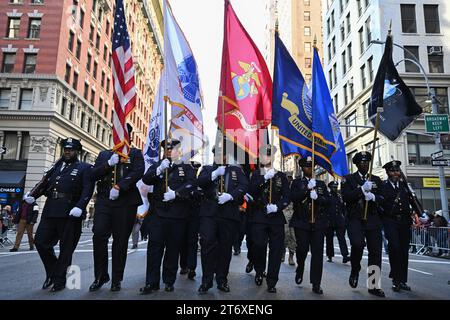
[
  {"x": 310, "y": 198},
  {"x": 269, "y": 190},
  {"x": 115, "y": 212},
  {"x": 397, "y": 224},
  {"x": 336, "y": 215},
  {"x": 357, "y": 190},
  {"x": 68, "y": 188},
  {"x": 173, "y": 183},
  {"x": 224, "y": 188}
]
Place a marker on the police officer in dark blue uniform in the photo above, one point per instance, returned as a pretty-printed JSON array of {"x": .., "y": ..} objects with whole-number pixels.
[
  {"x": 309, "y": 224},
  {"x": 168, "y": 224},
  {"x": 397, "y": 224},
  {"x": 357, "y": 190},
  {"x": 68, "y": 189},
  {"x": 269, "y": 190},
  {"x": 219, "y": 218},
  {"x": 115, "y": 212},
  {"x": 336, "y": 217}
]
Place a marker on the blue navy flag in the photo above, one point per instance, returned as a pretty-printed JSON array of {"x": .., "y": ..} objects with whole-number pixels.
[{"x": 391, "y": 93}]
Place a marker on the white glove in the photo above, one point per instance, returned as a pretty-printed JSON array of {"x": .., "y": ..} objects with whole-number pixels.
[
  {"x": 76, "y": 212},
  {"x": 163, "y": 166},
  {"x": 269, "y": 174},
  {"x": 271, "y": 208},
  {"x": 113, "y": 194},
  {"x": 113, "y": 160},
  {"x": 369, "y": 196},
  {"x": 312, "y": 184},
  {"x": 220, "y": 171},
  {"x": 367, "y": 186},
  {"x": 225, "y": 197},
  {"x": 28, "y": 199},
  {"x": 313, "y": 195},
  {"x": 248, "y": 197},
  {"x": 169, "y": 195}
]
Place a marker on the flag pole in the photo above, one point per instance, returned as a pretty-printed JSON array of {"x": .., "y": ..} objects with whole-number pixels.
[
  {"x": 166, "y": 174},
  {"x": 222, "y": 187},
  {"x": 313, "y": 175}
]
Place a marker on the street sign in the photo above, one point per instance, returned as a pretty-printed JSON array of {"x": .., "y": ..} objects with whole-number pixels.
[
  {"x": 436, "y": 155},
  {"x": 3, "y": 150},
  {"x": 440, "y": 163},
  {"x": 436, "y": 123}
]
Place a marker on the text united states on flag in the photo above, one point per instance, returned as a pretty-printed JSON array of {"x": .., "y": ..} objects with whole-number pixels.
[{"x": 123, "y": 77}]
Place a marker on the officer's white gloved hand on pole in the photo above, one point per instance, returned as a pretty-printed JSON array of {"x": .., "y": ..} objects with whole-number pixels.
[
  {"x": 169, "y": 195},
  {"x": 271, "y": 208},
  {"x": 312, "y": 184},
  {"x": 225, "y": 197},
  {"x": 269, "y": 174},
  {"x": 113, "y": 194},
  {"x": 76, "y": 212},
  {"x": 313, "y": 194},
  {"x": 113, "y": 160},
  {"x": 163, "y": 166},
  {"x": 367, "y": 186},
  {"x": 28, "y": 199},
  {"x": 369, "y": 196},
  {"x": 220, "y": 171}
]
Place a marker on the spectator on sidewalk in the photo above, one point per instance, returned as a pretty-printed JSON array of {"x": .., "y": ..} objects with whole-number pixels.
[
  {"x": 25, "y": 218},
  {"x": 440, "y": 234}
]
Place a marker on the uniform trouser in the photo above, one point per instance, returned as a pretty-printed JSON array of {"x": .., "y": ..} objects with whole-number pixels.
[
  {"x": 340, "y": 234},
  {"x": 165, "y": 238},
  {"x": 249, "y": 241},
  {"x": 216, "y": 241},
  {"x": 358, "y": 234},
  {"x": 398, "y": 236},
  {"x": 239, "y": 235},
  {"x": 51, "y": 230},
  {"x": 189, "y": 245},
  {"x": 21, "y": 227},
  {"x": 119, "y": 222},
  {"x": 273, "y": 235},
  {"x": 313, "y": 239},
  {"x": 135, "y": 233}
]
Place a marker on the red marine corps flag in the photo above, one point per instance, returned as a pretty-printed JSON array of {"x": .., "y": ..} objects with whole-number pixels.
[
  {"x": 123, "y": 78},
  {"x": 246, "y": 87}
]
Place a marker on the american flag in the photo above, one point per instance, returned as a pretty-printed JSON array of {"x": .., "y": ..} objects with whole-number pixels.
[{"x": 123, "y": 77}]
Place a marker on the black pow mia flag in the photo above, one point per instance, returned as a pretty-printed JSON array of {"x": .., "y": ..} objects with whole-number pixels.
[{"x": 391, "y": 93}]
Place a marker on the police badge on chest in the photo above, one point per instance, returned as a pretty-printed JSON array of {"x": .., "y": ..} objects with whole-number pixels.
[{"x": 181, "y": 172}]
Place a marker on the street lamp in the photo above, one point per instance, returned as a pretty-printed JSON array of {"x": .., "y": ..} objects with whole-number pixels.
[{"x": 434, "y": 110}]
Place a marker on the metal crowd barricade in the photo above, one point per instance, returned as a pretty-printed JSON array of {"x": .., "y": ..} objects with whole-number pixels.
[{"x": 425, "y": 239}]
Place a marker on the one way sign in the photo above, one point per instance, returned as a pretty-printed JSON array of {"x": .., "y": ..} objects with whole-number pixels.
[{"x": 2, "y": 150}]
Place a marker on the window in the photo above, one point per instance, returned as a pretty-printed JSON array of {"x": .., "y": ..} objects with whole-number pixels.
[
  {"x": 341, "y": 7},
  {"x": 349, "y": 54},
  {"x": 333, "y": 45},
  {"x": 344, "y": 63},
  {"x": 336, "y": 102},
  {"x": 97, "y": 42},
  {"x": 307, "y": 62},
  {"x": 307, "y": 3},
  {"x": 105, "y": 52},
  {"x": 34, "y": 28},
  {"x": 361, "y": 40},
  {"x": 26, "y": 99},
  {"x": 350, "y": 123},
  {"x": 347, "y": 19},
  {"x": 107, "y": 85},
  {"x": 411, "y": 66},
  {"x": 63, "y": 106},
  {"x": 109, "y": 59},
  {"x": 307, "y": 31},
  {"x": 307, "y": 15},
  {"x": 92, "y": 97},
  {"x": 68, "y": 72},
  {"x": 94, "y": 5},
  {"x": 100, "y": 105},
  {"x": 431, "y": 13},
  {"x": 421, "y": 96},
  {"x": 377, "y": 154},
  {"x": 352, "y": 91},
  {"x": 9, "y": 59},
  {"x": 100, "y": 15},
  {"x": 89, "y": 62},
  {"x": 334, "y": 74},
  {"x": 351, "y": 166},
  {"x": 94, "y": 72},
  {"x": 366, "y": 105},
  {"x": 71, "y": 40},
  {"x": 74, "y": 9},
  {"x": 307, "y": 46},
  {"x": 345, "y": 95},
  {"x": 13, "y": 28},
  {"x": 328, "y": 26},
  {"x": 75, "y": 80},
  {"x": 368, "y": 31},
  {"x": 81, "y": 21},
  {"x": 408, "y": 13},
  {"x": 29, "y": 65},
  {"x": 358, "y": 2},
  {"x": 82, "y": 120},
  {"x": 106, "y": 110},
  {"x": 37, "y": 1},
  {"x": 78, "y": 50},
  {"x": 420, "y": 148},
  {"x": 102, "y": 83},
  {"x": 86, "y": 90},
  {"x": 435, "y": 59},
  {"x": 363, "y": 76},
  {"x": 370, "y": 66},
  {"x": 329, "y": 51},
  {"x": 89, "y": 125},
  {"x": 330, "y": 78},
  {"x": 107, "y": 28},
  {"x": 97, "y": 132},
  {"x": 342, "y": 32},
  {"x": 332, "y": 20},
  {"x": 5, "y": 98},
  {"x": 71, "y": 111},
  {"x": 91, "y": 33}
]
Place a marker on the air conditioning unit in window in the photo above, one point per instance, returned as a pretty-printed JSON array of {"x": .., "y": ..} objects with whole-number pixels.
[{"x": 435, "y": 51}]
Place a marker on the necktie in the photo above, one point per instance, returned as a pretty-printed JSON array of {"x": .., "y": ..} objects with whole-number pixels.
[{"x": 62, "y": 167}]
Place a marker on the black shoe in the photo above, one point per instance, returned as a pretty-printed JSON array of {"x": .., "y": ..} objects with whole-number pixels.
[
  {"x": 47, "y": 283},
  {"x": 258, "y": 279},
  {"x": 184, "y": 270},
  {"x": 191, "y": 274},
  {"x": 204, "y": 288},
  {"x": 115, "y": 286},
  {"x": 272, "y": 290},
  {"x": 377, "y": 292},
  {"x": 134, "y": 246},
  {"x": 223, "y": 287},
  {"x": 169, "y": 288},
  {"x": 57, "y": 287},
  {"x": 298, "y": 276},
  {"x": 353, "y": 280},
  {"x": 237, "y": 252},
  {"x": 98, "y": 283},
  {"x": 404, "y": 286},
  {"x": 345, "y": 259},
  {"x": 149, "y": 288},
  {"x": 317, "y": 289},
  {"x": 249, "y": 267},
  {"x": 31, "y": 248},
  {"x": 330, "y": 259},
  {"x": 264, "y": 274},
  {"x": 395, "y": 287},
  {"x": 13, "y": 250}
]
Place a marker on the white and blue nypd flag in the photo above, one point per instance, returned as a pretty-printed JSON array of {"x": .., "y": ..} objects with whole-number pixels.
[{"x": 182, "y": 87}]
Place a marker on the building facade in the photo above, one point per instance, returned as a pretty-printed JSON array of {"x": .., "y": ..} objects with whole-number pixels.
[{"x": 351, "y": 61}]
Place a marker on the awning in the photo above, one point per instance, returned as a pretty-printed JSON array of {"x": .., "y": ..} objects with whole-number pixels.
[{"x": 12, "y": 178}]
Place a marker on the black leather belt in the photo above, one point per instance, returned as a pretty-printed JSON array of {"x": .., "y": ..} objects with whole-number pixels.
[
  {"x": 396, "y": 217},
  {"x": 60, "y": 195}
]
